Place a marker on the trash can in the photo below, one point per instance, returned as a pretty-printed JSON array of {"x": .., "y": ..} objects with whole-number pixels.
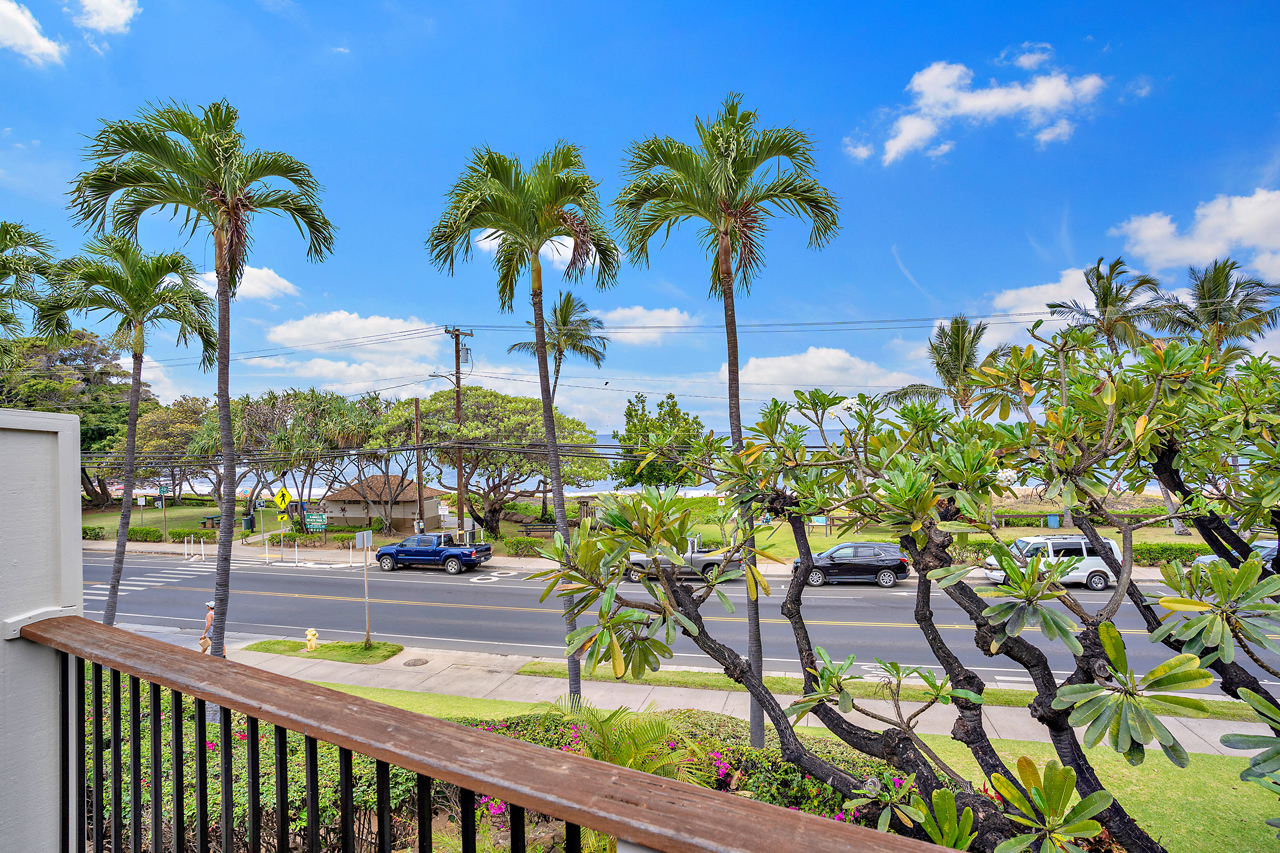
[
  {"x": 248, "y": 523},
  {"x": 1055, "y": 521}
]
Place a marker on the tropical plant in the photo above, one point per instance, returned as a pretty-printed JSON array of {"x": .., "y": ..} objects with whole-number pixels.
[
  {"x": 25, "y": 256},
  {"x": 943, "y": 823},
  {"x": 1032, "y": 587},
  {"x": 519, "y": 213},
  {"x": 1224, "y": 308},
  {"x": 196, "y": 165},
  {"x": 731, "y": 184},
  {"x": 641, "y": 427},
  {"x": 954, "y": 351},
  {"x": 572, "y": 330},
  {"x": 898, "y": 798},
  {"x": 639, "y": 740},
  {"x": 1230, "y": 606},
  {"x": 1124, "y": 708},
  {"x": 118, "y": 282},
  {"x": 1045, "y": 808},
  {"x": 1118, "y": 310},
  {"x": 1264, "y": 767}
]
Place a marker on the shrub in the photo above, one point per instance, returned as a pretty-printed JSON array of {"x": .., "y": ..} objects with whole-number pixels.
[
  {"x": 93, "y": 533},
  {"x": 145, "y": 534},
  {"x": 343, "y": 538},
  {"x": 1154, "y": 553},
  {"x": 177, "y": 534},
  {"x": 522, "y": 546},
  {"x": 306, "y": 540}
]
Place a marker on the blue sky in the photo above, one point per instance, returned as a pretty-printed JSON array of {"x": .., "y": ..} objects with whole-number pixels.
[{"x": 981, "y": 160}]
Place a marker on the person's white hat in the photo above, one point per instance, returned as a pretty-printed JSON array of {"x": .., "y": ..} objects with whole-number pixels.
[{"x": 209, "y": 604}]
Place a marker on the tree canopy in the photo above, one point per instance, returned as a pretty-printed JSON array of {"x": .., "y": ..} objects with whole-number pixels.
[{"x": 667, "y": 419}]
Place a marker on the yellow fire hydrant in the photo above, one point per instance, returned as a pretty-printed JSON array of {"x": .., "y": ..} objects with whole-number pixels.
[{"x": 313, "y": 641}]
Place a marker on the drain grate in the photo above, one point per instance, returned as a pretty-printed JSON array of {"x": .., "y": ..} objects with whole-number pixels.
[{"x": 416, "y": 662}]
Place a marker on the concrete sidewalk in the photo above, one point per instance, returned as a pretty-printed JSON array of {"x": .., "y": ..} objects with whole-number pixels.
[{"x": 488, "y": 676}]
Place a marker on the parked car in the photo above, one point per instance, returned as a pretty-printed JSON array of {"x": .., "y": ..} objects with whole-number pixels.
[
  {"x": 1266, "y": 550},
  {"x": 433, "y": 549},
  {"x": 1092, "y": 571},
  {"x": 881, "y": 563},
  {"x": 699, "y": 561}
]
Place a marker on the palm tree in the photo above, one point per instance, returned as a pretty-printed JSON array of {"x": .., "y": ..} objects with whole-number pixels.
[
  {"x": 1223, "y": 309},
  {"x": 1116, "y": 312},
  {"x": 571, "y": 331},
  {"x": 1116, "y": 315},
  {"x": 523, "y": 211},
  {"x": 25, "y": 256},
  {"x": 117, "y": 281},
  {"x": 954, "y": 351},
  {"x": 196, "y": 164},
  {"x": 731, "y": 184}
]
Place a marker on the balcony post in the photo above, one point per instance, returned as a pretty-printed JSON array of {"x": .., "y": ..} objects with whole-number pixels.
[{"x": 41, "y": 577}]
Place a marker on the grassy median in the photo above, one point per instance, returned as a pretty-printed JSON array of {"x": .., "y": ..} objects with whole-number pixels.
[{"x": 341, "y": 652}]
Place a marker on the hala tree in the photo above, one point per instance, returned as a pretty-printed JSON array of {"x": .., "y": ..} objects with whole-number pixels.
[
  {"x": 195, "y": 164},
  {"x": 1085, "y": 422}
]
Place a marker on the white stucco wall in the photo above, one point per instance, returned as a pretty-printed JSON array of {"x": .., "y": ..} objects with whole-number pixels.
[{"x": 40, "y": 576}]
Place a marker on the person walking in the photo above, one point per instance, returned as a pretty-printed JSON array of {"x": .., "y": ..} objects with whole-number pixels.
[{"x": 205, "y": 642}]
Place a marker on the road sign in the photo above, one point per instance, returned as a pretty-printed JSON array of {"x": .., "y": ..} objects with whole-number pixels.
[
  {"x": 283, "y": 498},
  {"x": 316, "y": 521},
  {"x": 260, "y": 504},
  {"x": 283, "y": 517},
  {"x": 164, "y": 490},
  {"x": 364, "y": 539}
]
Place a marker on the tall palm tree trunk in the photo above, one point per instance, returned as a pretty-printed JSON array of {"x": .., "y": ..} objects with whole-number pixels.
[
  {"x": 553, "y": 452},
  {"x": 126, "y": 496},
  {"x": 1179, "y": 529},
  {"x": 755, "y": 648},
  {"x": 226, "y": 529}
]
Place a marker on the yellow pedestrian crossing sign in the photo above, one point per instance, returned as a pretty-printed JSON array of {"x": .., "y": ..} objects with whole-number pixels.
[
  {"x": 282, "y": 517},
  {"x": 283, "y": 498}
]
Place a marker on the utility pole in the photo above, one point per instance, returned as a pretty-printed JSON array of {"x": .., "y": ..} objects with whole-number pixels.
[
  {"x": 417, "y": 440},
  {"x": 458, "y": 335}
]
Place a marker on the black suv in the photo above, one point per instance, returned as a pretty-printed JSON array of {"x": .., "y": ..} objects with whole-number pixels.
[{"x": 881, "y": 563}]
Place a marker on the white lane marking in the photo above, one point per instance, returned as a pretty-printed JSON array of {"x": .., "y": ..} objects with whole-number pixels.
[
  {"x": 504, "y": 573},
  {"x": 485, "y": 579}
]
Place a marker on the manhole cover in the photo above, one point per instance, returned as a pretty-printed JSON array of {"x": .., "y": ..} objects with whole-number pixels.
[{"x": 416, "y": 662}]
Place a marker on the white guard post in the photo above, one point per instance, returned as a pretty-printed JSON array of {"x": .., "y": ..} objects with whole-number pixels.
[{"x": 42, "y": 577}]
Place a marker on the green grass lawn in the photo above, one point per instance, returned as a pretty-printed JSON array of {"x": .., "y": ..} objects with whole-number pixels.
[
  {"x": 1202, "y": 809},
  {"x": 1220, "y": 709},
  {"x": 179, "y": 517},
  {"x": 343, "y": 652}
]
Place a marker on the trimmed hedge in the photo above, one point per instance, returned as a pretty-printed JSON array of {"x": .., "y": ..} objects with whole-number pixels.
[
  {"x": 522, "y": 546},
  {"x": 1155, "y": 553},
  {"x": 145, "y": 534},
  {"x": 177, "y": 534},
  {"x": 93, "y": 533},
  {"x": 291, "y": 538},
  {"x": 343, "y": 538}
]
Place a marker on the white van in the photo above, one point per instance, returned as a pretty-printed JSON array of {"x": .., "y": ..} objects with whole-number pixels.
[{"x": 1092, "y": 571}]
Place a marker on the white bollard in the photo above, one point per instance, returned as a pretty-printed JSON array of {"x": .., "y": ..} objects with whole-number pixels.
[{"x": 42, "y": 577}]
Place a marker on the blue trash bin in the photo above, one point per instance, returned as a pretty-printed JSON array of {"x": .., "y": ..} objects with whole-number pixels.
[{"x": 1055, "y": 521}]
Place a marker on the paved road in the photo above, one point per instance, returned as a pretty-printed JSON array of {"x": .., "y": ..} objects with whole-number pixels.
[{"x": 498, "y": 611}]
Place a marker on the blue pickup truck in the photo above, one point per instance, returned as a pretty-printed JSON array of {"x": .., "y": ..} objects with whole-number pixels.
[{"x": 433, "y": 549}]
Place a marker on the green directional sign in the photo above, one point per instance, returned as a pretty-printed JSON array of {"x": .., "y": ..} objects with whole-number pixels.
[
  {"x": 164, "y": 490},
  {"x": 316, "y": 521}
]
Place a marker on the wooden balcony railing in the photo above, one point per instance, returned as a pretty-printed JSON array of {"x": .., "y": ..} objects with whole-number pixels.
[{"x": 109, "y": 806}]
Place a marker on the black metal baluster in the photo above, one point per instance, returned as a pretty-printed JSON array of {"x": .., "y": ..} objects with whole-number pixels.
[
  {"x": 425, "y": 813},
  {"x": 157, "y": 771},
  {"x": 254, "y": 783},
  {"x": 384, "y": 806},
  {"x": 572, "y": 838},
  {"x": 64, "y": 751},
  {"x": 282, "y": 790},
  {"x": 225, "y": 769},
  {"x": 468, "y": 808},
  {"x": 202, "y": 779},
  {"x": 135, "y": 765},
  {"x": 179, "y": 793},
  {"x": 97, "y": 758},
  {"x": 77, "y": 787},
  {"x": 117, "y": 783},
  {"x": 346, "y": 802},
  {"x": 312, "y": 761},
  {"x": 516, "y": 814}
]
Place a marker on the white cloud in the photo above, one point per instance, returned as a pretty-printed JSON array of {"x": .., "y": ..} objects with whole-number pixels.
[
  {"x": 1029, "y": 55},
  {"x": 255, "y": 283},
  {"x": 555, "y": 251},
  {"x": 939, "y": 150},
  {"x": 155, "y": 375},
  {"x": 636, "y": 315},
  {"x": 859, "y": 151},
  {"x": 373, "y": 338},
  {"x": 107, "y": 16},
  {"x": 1059, "y": 131},
  {"x": 944, "y": 92},
  {"x": 20, "y": 32},
  {"x": 817, "y": 367},
  {"x": 341, "y": 50},
  {"x": 1029, "y": 302},
  {"x": 1227, "y": 225}
]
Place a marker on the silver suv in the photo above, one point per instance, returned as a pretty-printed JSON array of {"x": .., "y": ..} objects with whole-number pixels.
[{"x": 1092, "y": 571}]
